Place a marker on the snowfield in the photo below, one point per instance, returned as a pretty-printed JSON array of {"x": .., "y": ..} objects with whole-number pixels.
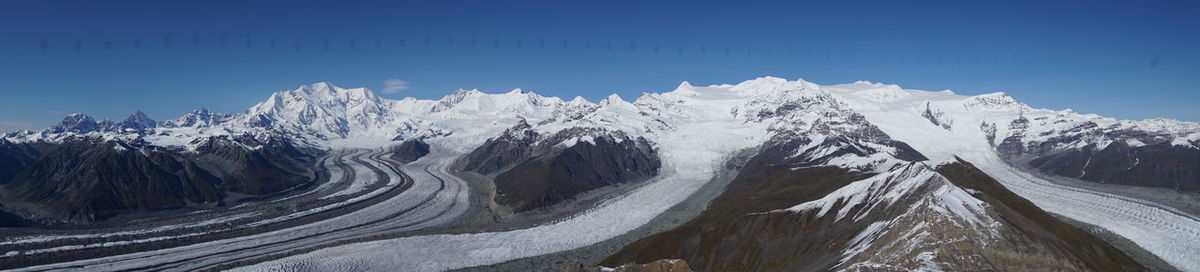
[
  {"x": 695, "y": 130},
  {"x": 692, "y": 150},
  {"x": 1173, "y": 236}
]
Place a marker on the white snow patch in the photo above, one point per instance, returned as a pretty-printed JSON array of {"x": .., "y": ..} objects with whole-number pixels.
[{"x": 1171, "y": 235}]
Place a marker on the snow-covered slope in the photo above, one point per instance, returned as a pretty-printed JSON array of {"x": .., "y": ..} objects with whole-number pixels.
[
  {"x": 325, "y": 115},
  {"x": 695, "y": 130},
  {"x": 328, "y": 115},
  {"x": 919, "y": 220},
  {"x": 1010, "y": 126},
  {"x": 980, "y": 123}
]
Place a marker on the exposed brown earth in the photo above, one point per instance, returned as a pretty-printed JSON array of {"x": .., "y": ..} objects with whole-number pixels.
[
  {"x": 740, "y": 233},
  {"x": 1091, "y": 252},
  {"x": 656, "y": 266},
  {"x": 724, "y": 238}
]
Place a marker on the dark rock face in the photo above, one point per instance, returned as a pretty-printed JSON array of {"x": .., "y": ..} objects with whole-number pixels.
[
  {"x": 734, "y": 233},
  {"x": 550, "y": 179},
  {"x": 1011, "y": 147},
  {"x": 1058, "y": 238},
  {"x": 85, "y": 180},
  {"x": 1104, "y": 154},
  {"x": 137, "y": 122},
  {"x": 1157, "y": 165},
  {"x": 935, "y": 116},
  {"x": 79, "y": 123},
  {"x": 724, "y": 238},
  {"x": 410, "y": 151},
  {"x": 510, "y": 148},
  {"x": 989, "y": 131},
  {"x": 656, "y": 266},
  {"x": 255, "y": 165},
  {"x": 534, "y": 171},
  {"x": 8, "y": 220},
  {"x": 15, "y": 158},
  {"x": 1014, "y": 145},
  {"x": 88, "y": 179}
]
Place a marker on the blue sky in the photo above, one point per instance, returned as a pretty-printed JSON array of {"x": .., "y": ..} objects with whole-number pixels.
[{"x": 1128, "y": 59}]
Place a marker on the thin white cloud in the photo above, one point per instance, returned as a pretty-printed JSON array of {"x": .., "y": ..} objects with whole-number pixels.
[{"x": 393, "y": 85}]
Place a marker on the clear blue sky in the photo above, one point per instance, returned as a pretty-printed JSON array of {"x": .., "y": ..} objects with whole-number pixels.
[{"x": 1128, "y": 59}]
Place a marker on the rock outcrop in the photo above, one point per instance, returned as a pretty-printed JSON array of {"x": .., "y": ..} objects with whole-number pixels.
[
  {"x": 1158, "y": 165},
  {"x": 86, "y": 179},
  {"x": 532, "y": 171},
  {"x": 776, "y": 216},
  {"x": 410, "y": 150},
  {"x": 656, "y": 266}
]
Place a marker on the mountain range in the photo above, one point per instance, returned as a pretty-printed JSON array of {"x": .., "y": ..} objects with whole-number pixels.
[{"x": 764, "y": 175}]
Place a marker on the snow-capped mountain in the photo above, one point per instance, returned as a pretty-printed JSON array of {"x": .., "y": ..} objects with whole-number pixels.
[
  {"x": 326, "y": 114},
  {"x": 137, "y": 121},
  {"x": 322, "y": 110},
  {"x": 323, "y": 114},
  {"x": 1013, "y": 127},
  {"x": 1062, "y": 142},
  {"x": 717, "y": 119},
  {"x": 199, "y": 118},
  {"x": 872, "y": 173}
]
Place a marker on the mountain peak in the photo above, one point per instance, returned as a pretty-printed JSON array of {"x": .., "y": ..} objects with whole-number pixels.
[
  {"x": 612, "y": 98},
  {"x": 888, "y": 188},
  {"x": 579, "y": 100},
  {"x": 868, "y": 83},
  {"x": 459, "y": 94},
  {"x": 685, "y": 89},
  {"x": 761, "y": 82},
  {"x": 466, "y": 92},
  {"x": 201, "y": 110},
  {"x": 324, "y": 91},
  {"x": 769, "y": 85},
  {"x": 201, "y": 117},
  {"x": 449, "y": 101},
  {"x": 76, "y": 116},
  {"x": 138, "y": 115},
  {"x": 317, "y": 94},
  {"x": 993, "y": 100},
  {"x": 137, "y": 121},
  {"x": 77, "y": 123},
  {"x": 319, "y": 86}
]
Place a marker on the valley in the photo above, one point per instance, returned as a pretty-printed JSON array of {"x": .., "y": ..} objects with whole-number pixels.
[
  {"x": 373, "y": 195},
  {"x": 851, "y": 176}
]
